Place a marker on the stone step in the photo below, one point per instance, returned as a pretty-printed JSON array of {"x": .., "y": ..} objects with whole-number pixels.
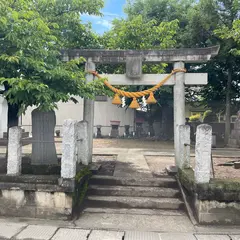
[
  {"x": 134, "y": 202},
  {"x": 133, "y": 191},
  {"x": 135, "y": 211},
  {"x": 166, "y": 182}
]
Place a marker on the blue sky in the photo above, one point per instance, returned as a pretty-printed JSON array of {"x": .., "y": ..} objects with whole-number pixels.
[{"x": 113, "y": 9}]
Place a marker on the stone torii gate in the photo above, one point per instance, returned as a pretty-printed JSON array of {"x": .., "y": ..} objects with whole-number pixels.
[{"x": 134, "y": 76}]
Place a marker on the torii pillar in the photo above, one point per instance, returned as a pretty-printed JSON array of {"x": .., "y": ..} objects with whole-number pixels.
[
  {"x": 179, "y": 106},
  {"x": 134, "y": 76}
]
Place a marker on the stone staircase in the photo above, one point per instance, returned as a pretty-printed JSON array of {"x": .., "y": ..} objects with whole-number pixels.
[{"x": 150, "y": 196}]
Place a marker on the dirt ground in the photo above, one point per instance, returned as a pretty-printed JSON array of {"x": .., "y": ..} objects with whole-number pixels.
[
  {"x": 225, "y": 171},
  {"x": 131, "y": 143}
]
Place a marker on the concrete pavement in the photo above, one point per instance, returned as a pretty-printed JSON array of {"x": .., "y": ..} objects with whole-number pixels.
[{"x": 20, "y": 229}]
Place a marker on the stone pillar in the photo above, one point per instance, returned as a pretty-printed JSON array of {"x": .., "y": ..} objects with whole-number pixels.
[
  {"x": 179, "y": 107},
  {"x": 184, "y": 146},
  {"x": 88, "y": 110},
  {"x": 82, "y": 143},
  {"x": 14, "y": 161},
  {"x": 43, "y": 146},
  {"x": 203, "y": 150},
  {"x": 4, "y": 115},
  {"x": 69, "y": 147}
]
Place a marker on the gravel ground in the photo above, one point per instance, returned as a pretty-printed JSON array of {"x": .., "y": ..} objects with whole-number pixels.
[
  {"x": 157, "y": 165},
  {"x": 225, "y": 171}
]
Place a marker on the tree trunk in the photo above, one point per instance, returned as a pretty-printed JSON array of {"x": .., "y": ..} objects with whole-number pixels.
[
  {"x": 12, "y": 115},
  {"x": 228, "y": 106}
]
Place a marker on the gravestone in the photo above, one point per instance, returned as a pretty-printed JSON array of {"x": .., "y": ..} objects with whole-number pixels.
[
  {"x": 115, "y": 129},
  {"x": 99, "y": 133},
  {"x": 43, "y": 146},
  {"x": 234, "y": 140},
  {"x": 127, "y": 130}
]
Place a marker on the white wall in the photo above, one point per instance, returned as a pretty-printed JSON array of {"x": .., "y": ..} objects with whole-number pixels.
[
  {"x": 104, "y": 112},
  {"x": 3, "y": 115}
]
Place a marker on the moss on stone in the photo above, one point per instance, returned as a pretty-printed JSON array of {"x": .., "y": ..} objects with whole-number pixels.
[
  {"x": 82, "y": 173},
  {"x": 82, "y": 179},
  {"x": 218, "y": 189},
  {"x": 226, "y": 184},
  {"x": 186, "y": 177}
]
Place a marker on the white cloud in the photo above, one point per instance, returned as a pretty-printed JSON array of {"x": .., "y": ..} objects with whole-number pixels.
[
  {"x": 113, "y": 15},
  {"x": 104, "y": 23},
  {"x": 86, "y": 16}
]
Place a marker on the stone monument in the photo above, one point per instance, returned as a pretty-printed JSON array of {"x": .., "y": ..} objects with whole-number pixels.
[{"x": 43, "y": 146}]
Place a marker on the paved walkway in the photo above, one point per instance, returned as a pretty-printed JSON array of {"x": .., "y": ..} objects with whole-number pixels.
[
  {"x": 57, "y": 230},
  {"x": 132, "y": 163}
]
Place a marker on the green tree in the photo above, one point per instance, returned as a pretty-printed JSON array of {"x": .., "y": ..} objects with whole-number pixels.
[
  {"x": 163, "y": 11},
  {"x": 206, "y": 20},
  {"x": 32, "y": 34},
  {"x": 204, "y": 23},
  {"x": 135, "y": 33}
]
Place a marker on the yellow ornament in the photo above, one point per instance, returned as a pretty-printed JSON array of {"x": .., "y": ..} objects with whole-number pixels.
[
  {"x": 134, "y": 104},
  {"x": 151, "y": 99},
  {"x": 116, "y": 100}
]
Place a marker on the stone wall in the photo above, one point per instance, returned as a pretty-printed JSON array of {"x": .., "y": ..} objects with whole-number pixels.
[
  {"x": 215, "y": 212},
  {"x": 217, "y": 202},
  {"x": 35, "y": 204},
  {"x": 36, "y": 197}
]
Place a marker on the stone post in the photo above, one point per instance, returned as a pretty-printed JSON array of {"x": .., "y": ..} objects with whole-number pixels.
[
  {"x": 184, "y": 146},
  {"x": 88, "y": 110},
  {"x": 14, "y": 161},
  {"x": 43, "y": 146},
  {"x": 4, "y": 116},
  {"x": 179, "y": 107},
  {"x": 82, "y": 143},
  {"x": 203, "y": 150},
  {"x": 69, "y": 147}
]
